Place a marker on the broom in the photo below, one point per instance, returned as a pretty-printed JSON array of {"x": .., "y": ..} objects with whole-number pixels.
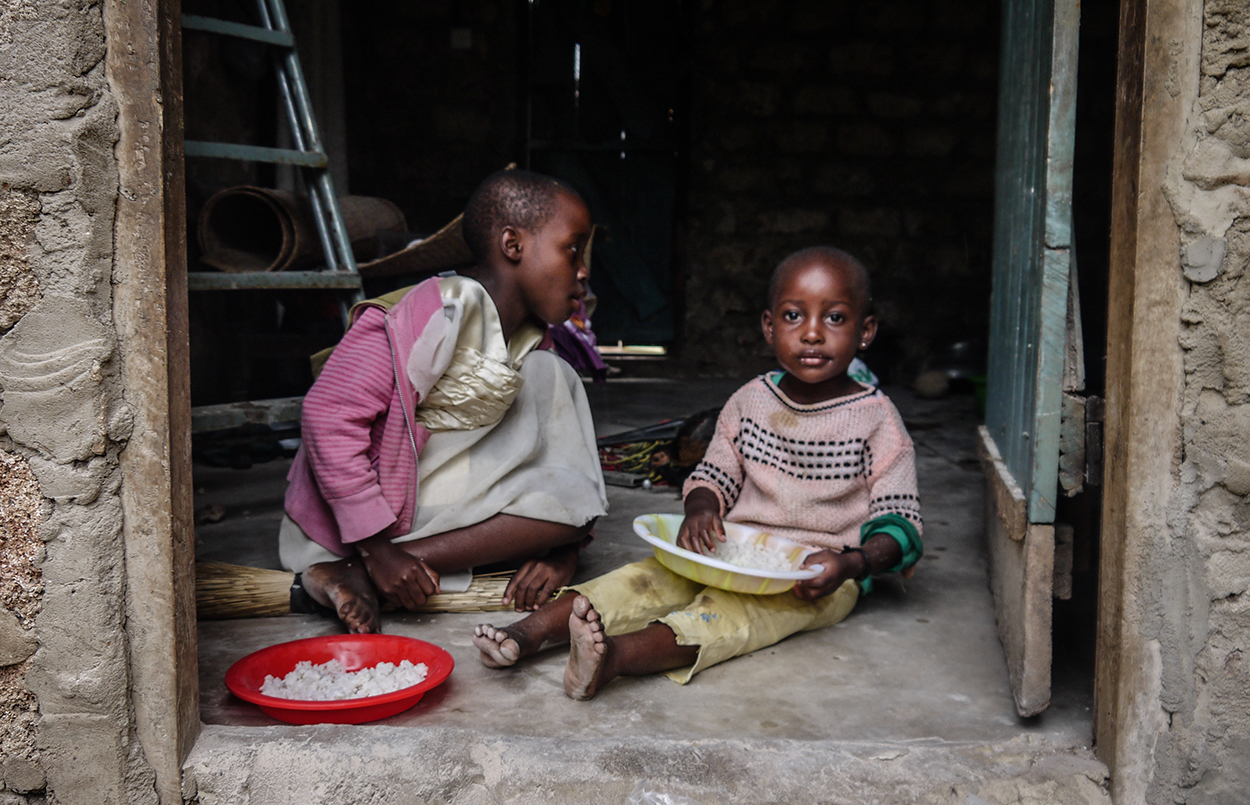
[{"x": 224, "y": 591}]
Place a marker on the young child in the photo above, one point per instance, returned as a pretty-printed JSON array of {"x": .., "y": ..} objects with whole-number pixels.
[
  {"x": 806, "y": 453},
  {"x": 452, "y": 376}
]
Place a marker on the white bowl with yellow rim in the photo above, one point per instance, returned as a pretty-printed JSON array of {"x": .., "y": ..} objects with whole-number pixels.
[{"x": 660, "y": 530}]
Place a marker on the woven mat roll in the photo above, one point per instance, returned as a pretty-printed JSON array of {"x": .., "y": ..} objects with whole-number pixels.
[{"x": 258, "y": 229}]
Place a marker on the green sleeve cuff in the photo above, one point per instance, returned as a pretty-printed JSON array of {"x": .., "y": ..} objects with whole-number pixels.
[{"x": 904, "y": 533}]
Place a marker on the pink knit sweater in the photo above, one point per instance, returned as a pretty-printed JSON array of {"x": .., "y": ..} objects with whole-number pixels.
[{"x": 810, "y": 473}]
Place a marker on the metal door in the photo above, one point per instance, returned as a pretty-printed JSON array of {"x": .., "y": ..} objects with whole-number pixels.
[{"x": 1030, "y": 329}]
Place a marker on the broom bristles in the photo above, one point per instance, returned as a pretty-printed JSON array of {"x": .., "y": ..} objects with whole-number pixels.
[
  {"x": 235, "y": 591},
  {"x": 485, "y": 594},
  {"x": 224, "y": 591}
]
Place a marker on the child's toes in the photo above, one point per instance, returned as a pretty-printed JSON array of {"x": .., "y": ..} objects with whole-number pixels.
[{"x": 497, "y": 649}]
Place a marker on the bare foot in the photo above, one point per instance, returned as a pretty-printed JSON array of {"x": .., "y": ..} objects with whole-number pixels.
[
  {"x": 499, "y": 648},
  {"x": 344, "y": 586},
  {"x": 588, "y": 651}
]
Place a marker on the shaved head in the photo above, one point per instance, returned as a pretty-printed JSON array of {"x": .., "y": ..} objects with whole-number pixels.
[
  {"x": 834, "y": 259},
  {"x": 516, "y": 198}
]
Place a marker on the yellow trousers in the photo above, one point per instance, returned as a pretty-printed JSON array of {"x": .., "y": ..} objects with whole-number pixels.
[{"x": 722, "y": 624}]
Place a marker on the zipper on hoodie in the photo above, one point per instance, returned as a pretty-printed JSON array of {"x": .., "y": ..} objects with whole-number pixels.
[{"x": 403, "y": 405}]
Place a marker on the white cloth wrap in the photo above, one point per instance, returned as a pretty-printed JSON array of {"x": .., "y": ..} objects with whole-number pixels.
[
  {"x": 539, "y": 461},
  {"x": 511, "y": 429},
  {"x": 461, "y": 366}
]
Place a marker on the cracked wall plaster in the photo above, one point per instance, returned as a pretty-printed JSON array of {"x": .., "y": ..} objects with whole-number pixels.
[
  {"x": 66, "y": 708},
  {"x": 1200, "y": 750}
]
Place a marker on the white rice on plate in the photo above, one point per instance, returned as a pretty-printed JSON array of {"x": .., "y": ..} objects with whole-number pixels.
[
  {"x": 753, "y": 556},
  {"x": 330, "y": 681}
]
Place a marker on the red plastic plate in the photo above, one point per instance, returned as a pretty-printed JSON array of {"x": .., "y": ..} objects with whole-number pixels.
[{"x": 354, "y": 651}]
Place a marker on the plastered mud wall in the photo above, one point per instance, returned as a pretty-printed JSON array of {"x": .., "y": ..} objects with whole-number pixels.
[
  {"x": 67, "y": 723},
  {"x": 1200, "y": 608}
]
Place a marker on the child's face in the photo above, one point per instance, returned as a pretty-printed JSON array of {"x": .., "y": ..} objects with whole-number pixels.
[
  {"x": 552, "y": 269},
  {"x": 815, "y": 327}
]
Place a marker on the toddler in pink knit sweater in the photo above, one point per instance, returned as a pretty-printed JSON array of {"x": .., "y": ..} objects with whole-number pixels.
[{"x": 805, "y": 452}]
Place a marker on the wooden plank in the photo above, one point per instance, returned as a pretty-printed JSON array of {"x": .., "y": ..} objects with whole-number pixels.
[
  {"x": 143, "y": 63},
  {"x": 207, "y": 418},
  {"x": 1074, "y": 349},
  {"x": 1061, "y": 130},
  {"x": 1072, "y": 445},
  {"x": 1125, "y": 201},
  {"x": 1009, "y": 503},
  {"x": 1043, "y": 475},
  {"x": 1057, "y": 261},
  {"x": 1157, "y": 83},
  {"x": 1022, "y": 566}
]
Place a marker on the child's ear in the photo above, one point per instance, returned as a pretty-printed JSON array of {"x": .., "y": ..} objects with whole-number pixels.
[
  {"x": 868, "y": 331},
  {"x": 511, "y": 243},
  {"x": 766, "y": 324}
]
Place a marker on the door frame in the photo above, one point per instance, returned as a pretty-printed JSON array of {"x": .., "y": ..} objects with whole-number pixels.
[
  {"x": 1159, "y": 48},
  {"x": 150, "y": 314},
  {"x": 150, "y": 248}
]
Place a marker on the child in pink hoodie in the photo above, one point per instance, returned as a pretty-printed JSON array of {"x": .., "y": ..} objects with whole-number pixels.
[{"x": 453, "y": 376}]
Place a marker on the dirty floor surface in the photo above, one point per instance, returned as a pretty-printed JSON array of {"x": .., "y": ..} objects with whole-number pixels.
[{"x": 906, "y": 701}]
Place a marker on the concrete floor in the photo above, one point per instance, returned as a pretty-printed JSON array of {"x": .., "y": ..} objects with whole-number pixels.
[{"x": 906, "y": 701}]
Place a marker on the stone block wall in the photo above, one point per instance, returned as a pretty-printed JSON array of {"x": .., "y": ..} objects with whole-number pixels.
[
  {"x": 433, "y": 91},
  {"x": 66, "y": 726},
  {"x": 867, "y": 126}
]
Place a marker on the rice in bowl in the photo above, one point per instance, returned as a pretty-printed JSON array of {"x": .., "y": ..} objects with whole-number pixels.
[
  {"x": 330, "y": 681},
  {"x": 752, "y": 555}
]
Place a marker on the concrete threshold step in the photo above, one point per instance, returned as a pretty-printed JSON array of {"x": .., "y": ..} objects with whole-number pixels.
[{"x": 337, "y": 764}]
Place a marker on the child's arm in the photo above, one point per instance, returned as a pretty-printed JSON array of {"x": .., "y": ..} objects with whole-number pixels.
[
  {"x": 339, "y": 411},
  {"x": 714, "y": 485},
  {"x": 880, "y": 552},
  {"x": 702, "y": 527}
]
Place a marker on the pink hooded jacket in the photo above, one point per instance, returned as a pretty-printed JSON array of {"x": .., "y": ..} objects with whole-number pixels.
[{"x": 355, "y": 474}]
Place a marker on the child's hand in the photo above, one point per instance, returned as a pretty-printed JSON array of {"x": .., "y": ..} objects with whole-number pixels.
[
  {"x": 702, "y": 528},
  {"x": 532, "y": 585},
  {"x": 404, "y": 580},
  {"x": 839, "y": 567}
]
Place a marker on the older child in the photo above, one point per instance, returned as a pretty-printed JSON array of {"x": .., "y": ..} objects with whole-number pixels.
[
  {"x": 807, "y": 453},
  {"x": 448, "y": 375}
]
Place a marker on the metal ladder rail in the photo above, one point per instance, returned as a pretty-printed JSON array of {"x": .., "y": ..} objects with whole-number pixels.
[
  {"x": 307, "y": 138},
  {"x": 308, "y": 155}
]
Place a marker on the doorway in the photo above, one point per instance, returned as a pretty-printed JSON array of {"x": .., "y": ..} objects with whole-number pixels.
[{"x": 604, "y": 109}]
